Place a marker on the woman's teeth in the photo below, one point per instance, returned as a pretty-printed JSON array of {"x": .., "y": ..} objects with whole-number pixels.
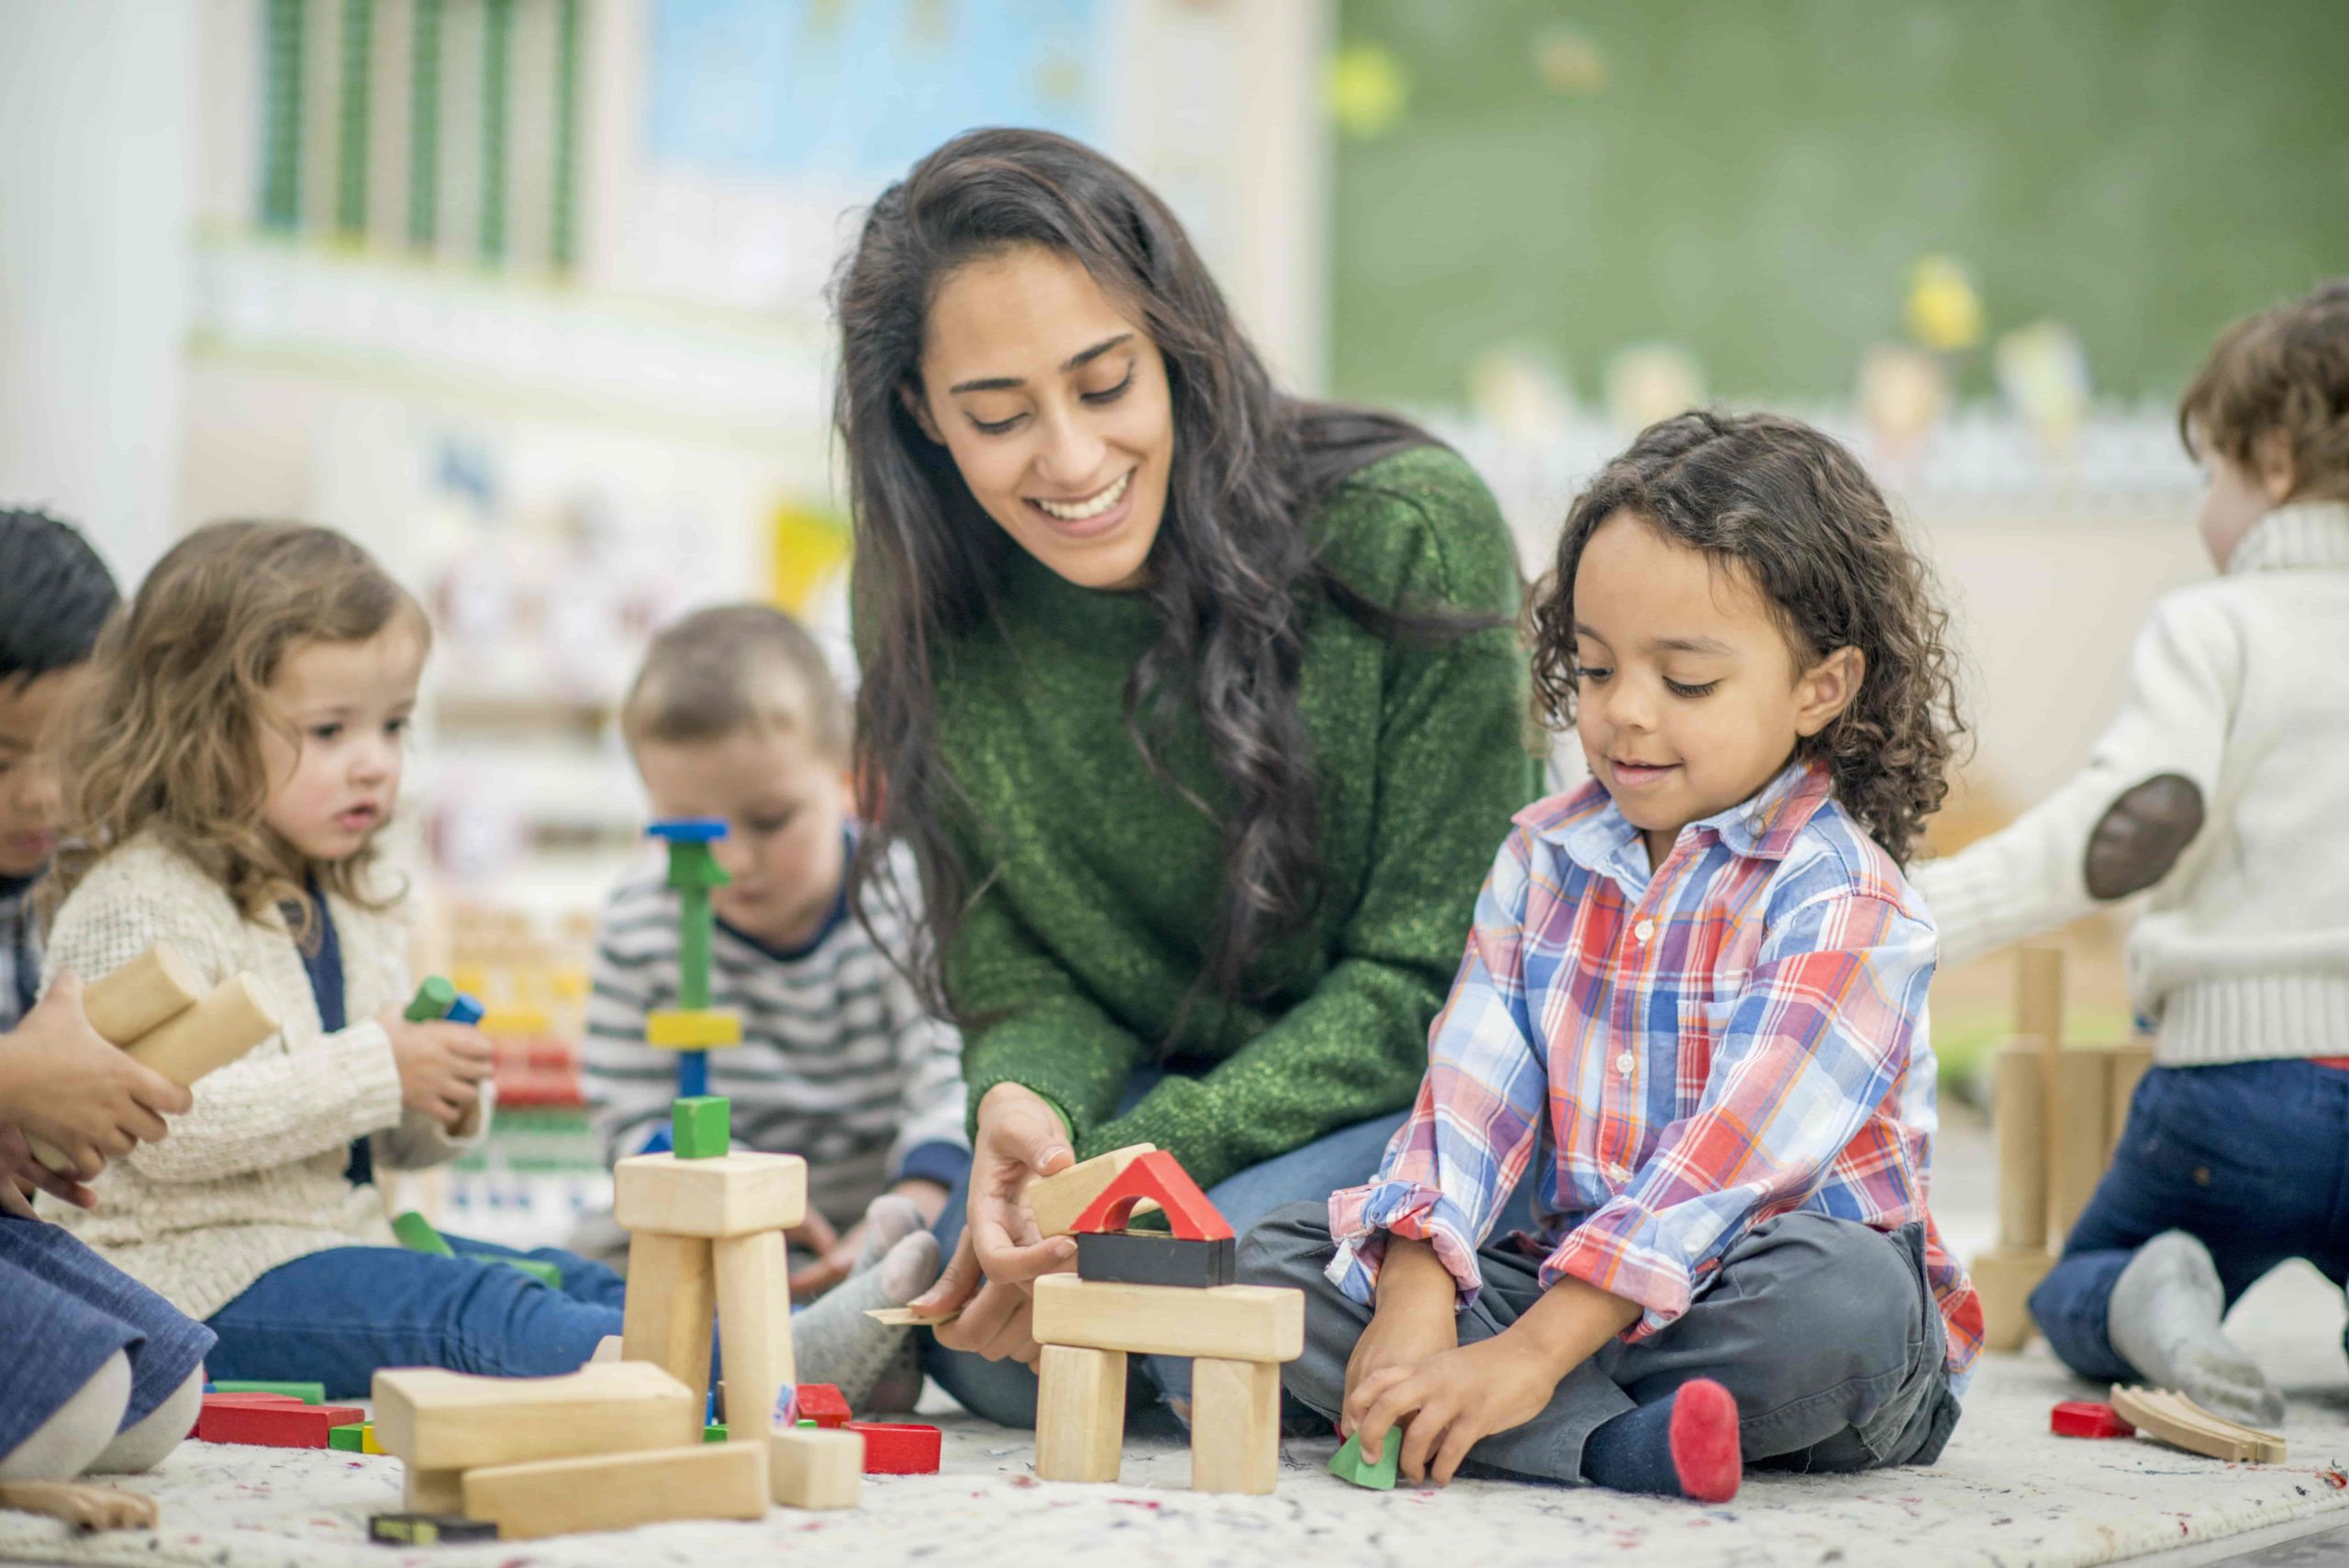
[{"x": 1082, "y": 510}]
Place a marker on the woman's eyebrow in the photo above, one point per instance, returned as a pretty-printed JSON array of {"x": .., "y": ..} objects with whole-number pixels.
[{"x": 1075, "y": 361}]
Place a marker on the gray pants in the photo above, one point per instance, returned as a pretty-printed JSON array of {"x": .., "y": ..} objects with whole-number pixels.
[{"x": 1824, "y": 1330}]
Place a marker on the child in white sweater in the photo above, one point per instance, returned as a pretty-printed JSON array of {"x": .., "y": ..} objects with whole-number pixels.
[
  {"x": 2217, "y": 792},
  {"x": 233, "y": 769}
]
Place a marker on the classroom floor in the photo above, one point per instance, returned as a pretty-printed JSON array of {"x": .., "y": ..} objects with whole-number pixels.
[{"x": 2005, "y": 1494}]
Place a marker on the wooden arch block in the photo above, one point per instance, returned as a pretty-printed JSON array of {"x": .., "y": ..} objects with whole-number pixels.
[{"x": 1159, "y": 1177}]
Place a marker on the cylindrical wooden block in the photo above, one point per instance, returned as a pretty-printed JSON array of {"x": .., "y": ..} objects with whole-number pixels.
[
  {"x": 1080, "y": 1414},
  {"x": 2075, "y": 1120},
  {"x": 135, "y": 998},
  {"x": 2018, "y": 1124},
  {"x": 229, "y": 1020}
]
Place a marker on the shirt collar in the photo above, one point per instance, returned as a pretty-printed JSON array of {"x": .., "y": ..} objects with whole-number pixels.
[
  {"x": 1594, "y": 834},
  {"x": 2306, "y": 535}
]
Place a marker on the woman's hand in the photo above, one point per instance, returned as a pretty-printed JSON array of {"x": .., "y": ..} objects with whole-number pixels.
[
  {"x": 66, "y": 1086},
  {"x": 1019, "y": 1137}
]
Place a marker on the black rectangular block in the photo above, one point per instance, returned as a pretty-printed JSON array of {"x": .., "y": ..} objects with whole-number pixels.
[
  {"x": 1149, "y": 1257},
  {"x": 429, "y": 1529}
]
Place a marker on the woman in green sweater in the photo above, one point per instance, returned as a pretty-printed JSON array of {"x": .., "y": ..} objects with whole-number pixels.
[{"x": 1200, "y": 708}]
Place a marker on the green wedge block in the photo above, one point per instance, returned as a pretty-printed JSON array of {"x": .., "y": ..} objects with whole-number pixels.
[
  {"x": 348, "y": 1439},
  {"x": 308, "y": 1393},
  {"x": 1348, "y": 1465},
  {"x": 416, "y": 1234}
]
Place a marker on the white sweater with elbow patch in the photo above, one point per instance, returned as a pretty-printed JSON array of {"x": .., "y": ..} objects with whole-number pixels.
[
  {"x": 2240, "y": 688},
  {"x": 252, "y": 1176}
]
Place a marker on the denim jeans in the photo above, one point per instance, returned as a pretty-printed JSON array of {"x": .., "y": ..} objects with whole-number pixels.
[
  {"x": 336, "y": 1316},
  {"x": 2250, "y": 1157}
]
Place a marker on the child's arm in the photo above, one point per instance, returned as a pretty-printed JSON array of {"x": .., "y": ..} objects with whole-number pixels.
[{"x": 2125, "y": 821}]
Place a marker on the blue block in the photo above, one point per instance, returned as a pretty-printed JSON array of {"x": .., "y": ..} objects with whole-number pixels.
[
  {"x": 689, "y": 829},
  {"x": 465, "y": 1009},
  {"x": 693, "y": 1075}
]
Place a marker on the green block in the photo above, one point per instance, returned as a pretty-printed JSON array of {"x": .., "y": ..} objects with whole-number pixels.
[
  {"x": 696, "y": 927},
  {"x": 1348, "y": 1465},
  {"x": 433, "y": 999},
  {"x": 352, "y": 1439},
  {"x": 692, "y": 869},
  {"x": 700, "y": 1126},
  {"x": 416, "y": 1234},
  {"x": 545, "y": 1274},
  {"x": 308, "y": 1393},
  {"x": 807, "y": 1422},
  {"x": 714, "y": 1433}
]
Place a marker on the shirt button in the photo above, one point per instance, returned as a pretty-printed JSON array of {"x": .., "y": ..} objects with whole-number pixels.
[
  {"x": 1644, "y": 930},
  {"x": 1617, "y": 1173},
  {"x": 1624, "y": 1065}
]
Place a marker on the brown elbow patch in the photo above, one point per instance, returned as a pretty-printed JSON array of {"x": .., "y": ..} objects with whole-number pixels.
[{"x": 2143, "y": 835}]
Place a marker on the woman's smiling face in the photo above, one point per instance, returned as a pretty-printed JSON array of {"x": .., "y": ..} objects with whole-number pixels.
[{"x": 1054, "y": 403}]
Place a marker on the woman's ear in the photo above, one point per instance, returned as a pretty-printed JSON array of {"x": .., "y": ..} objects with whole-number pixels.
[
  {"x": 909, "y": 393},
  {"x": 1827, "y": 688}
]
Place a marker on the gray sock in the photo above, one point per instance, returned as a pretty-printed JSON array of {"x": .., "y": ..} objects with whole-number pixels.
[
  {"x": 142, "y": 1445},
  {"x": 2164, "y": 1320},
  {"x": 834, "y": 1340},
  {"x": 888, "y": 1219}
]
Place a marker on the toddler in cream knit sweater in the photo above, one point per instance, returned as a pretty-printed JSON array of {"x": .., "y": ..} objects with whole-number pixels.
[{"x": 227, "y": 786}]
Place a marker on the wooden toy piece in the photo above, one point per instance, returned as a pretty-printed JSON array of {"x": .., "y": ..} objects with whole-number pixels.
[
  {"x": 1348, "y": 1465},
  {"x": 823, "y": 1404},
  {"x": 620, "y": 1491},
  {"x": 906, "y": 1318},
  {"x": 2088, "y": 1419},
  {"x": 225, "y": 1022},
  {"x": 1235, "y": 1426},
  {"x": 1159, "y": 1177},
  {"x": 754, "y": 1330},
  {"x": 2018, "y": 1124},
  {"x": 714, "y": 1433},
  {"x": 2126, "y": 1066},
  {"x": 2004, "y": 1277},
  {"x": 352, "y": 1439},
  {"x": 428, "y": 1529},
  {"x": 1080, "y": 1414},
  {"x": 84, "y": 1507},
  {"x": 136, "y": 999},
  {"x": 700, "y": 1127},
  {"x": 465, "y": 1009},
  {"x": 450, "y": 1420},
  {"x": 434, "y": 996},
  {"x": 692, "y": 1029},
  {"x": 2076, "y": 1149},
  {"x": 897, "y": 1448},
  {"x": 415, "y": 1233},
  {"x": 1232, "y": 1322},
  {"x": 815, "y": 1468},
  {"x": 308, "y": 1393},
  {"x": 432, "y": 1491},
  {"x": 608, "y": 1349},
  {"x": 1056, "y": 1200},
  {"x": 274, "y": 1426},
  {"x": 2181, "y": 1423},
  {"x": 1147, "y": 1257},
  {"x": 671, "y": 1308},
  {"x": 733, "y": 1195}
]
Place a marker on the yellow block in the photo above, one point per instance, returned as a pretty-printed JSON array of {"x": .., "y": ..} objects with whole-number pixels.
[
  {"x": 694, "y": 1028},
  {"x": 515, "y": 1020}
]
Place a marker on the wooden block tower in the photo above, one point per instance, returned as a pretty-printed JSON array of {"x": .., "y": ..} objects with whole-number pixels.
[
  {"x": 692, "y": 1028},
  {"x": 1138, "y": 1293}
]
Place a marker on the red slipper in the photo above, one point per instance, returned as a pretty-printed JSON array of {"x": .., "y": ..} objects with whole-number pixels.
[{"x": 1704, "y": 1441}]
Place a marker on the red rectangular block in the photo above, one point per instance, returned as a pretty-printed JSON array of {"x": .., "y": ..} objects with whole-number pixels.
[
  {"x": 274, "y": 1426},
  {"x": 898, "y": 1448},
  {"x": 823, "y": 1404},
  {"x": 278, "y": 1400}
]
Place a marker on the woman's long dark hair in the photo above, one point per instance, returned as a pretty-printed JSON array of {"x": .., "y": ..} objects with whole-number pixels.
[{"x": 1231, "y": 571}]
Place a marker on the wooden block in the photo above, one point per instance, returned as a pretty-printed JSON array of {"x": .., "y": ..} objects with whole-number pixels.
[
  {"x": 2004, "y": 1278},
  {"x": 619, "y": 1491},
  {"x": 452, "y": 1420},
  {"x": 1235, "y": 1426},
  {"x": 608, "y": 1349},
  {"x": 367, "y": 1442},
  {"x": 2088, "y": 1419},
  {"x": 225, "y": 1022},
  {"x": 308, "y": 1393},
  {"x": 692, "y": 1029},
  {"x": 1149, "y": 1257},
  {"x": 434, "y": 996},
  {"x": 906, "y": 1317},
  {"x": 352, "y": 1439},
  {"x": 2181, "y": 1423},
  {"x": 1348, "y": 1465},
  {"x": 135, "y": 999},
  {"x": 275, "y": 1425},
  {"x": 2075, "y": 1119},
  {"x": 414, "y": 1233},
  {"x": 1056, "y": 1200},
  {"x": 432, "y": 1491},
  {"x": 823, "y": 1404},
  {"x": 734, "y": 1195},
  {"x": 897, "y": 1447},
  {"x": 672, "y": 1307},
  {"x": 754, "y": 1330},
  {"x": 2018, "y": 1125},
  {"x": 2127, "y": 1066},
  {"x": 700, "y": 1125},
  {"x": 1232, "y": 1322},
  {"x": 2039, "y": 996},
  {"x": 815, "y": 1468},
  {"x": 1080, "y": 1414},
  {"x": 426, "y": 1529},
  {"x": 1156, "y": 1177}
]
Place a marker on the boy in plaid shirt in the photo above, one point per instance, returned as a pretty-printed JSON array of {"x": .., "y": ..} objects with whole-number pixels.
[{"x": 1694, "y": 1004}]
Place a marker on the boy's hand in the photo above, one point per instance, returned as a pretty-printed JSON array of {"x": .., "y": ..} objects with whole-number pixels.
[
  {"x": 1415, "y": 1320},
  {"x": 65, "y": 1085},
  {"x": 1453, "y": 1401},
  {"x": 21, "y": 1176},
  {"x": 441, "y": 1065}
]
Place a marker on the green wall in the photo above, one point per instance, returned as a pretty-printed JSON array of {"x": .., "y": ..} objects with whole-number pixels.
[{"x": 1755, "y": 178}]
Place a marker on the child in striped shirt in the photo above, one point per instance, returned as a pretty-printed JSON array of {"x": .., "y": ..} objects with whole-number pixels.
[
  {"x": 1693, "y": 1010},
  {"x": 735, "y": 715}
]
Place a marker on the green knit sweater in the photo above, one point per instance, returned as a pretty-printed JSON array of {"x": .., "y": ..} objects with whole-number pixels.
[{"x": 1080, "y": 951}]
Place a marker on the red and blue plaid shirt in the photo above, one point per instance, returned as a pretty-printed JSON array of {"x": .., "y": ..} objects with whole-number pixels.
[{"x": 1737, "y": 1034}]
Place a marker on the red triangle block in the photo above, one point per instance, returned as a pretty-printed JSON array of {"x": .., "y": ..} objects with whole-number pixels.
[{"x": 1158, "y": 1176}]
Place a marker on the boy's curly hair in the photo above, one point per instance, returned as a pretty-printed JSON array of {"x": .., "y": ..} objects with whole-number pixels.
[
  {"x": 1793, "y": 511},
  {"x": 2283, "y": 375}
]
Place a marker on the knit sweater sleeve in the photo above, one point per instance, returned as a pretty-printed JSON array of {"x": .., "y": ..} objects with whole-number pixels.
[
  {"x": 268, "y": 1108},
  {"x": 1452, "y": 767},
  {"x": 2184, "y": 676}
]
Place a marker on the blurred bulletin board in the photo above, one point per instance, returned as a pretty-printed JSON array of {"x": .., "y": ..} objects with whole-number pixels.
[{"x": 1754, "y": 181}]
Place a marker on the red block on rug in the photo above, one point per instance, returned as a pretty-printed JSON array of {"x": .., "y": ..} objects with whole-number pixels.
[
  {"x": 824, "y": 1404},
  {"x": 898, "y": 1448},
  {"x": 290, "y": 1424},
  {"x": 2088, "y": 1419}
]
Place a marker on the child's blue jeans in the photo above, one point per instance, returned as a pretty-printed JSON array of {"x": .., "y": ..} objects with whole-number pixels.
[
  {"x": 335, "y": 1317},
  {"x": 2250, "y": 1157}
]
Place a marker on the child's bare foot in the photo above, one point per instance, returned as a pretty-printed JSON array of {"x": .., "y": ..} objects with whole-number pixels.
[
  {"x": 2165, "y": 1320},
  {"x": 86, "y": 1508}
]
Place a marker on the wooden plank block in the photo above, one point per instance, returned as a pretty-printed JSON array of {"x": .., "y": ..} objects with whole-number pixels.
[
  {"x": 2180, "y": 1422},
  {"x": 1080, "y": 1414},
  {"x": 732, "y": 1194},
  {"x": 2075, "y": 1119},
  {"x": 672, "y": 1307},
  {"x": 305, "y": 1393},
  {"x": 1149, "y": 1257},
  {"x": 754, "y": 1330},
  {"x": 452, "y": 1420},
  {"x": 619, "y": 1491},
  {"x": 1056, "y": 1200},
  {"x": 2039, "y": 996},
  {"x": 2018, "y": 1124},
  {"x": 1235, "y": 1426},
  {"x": 432, "y": 1491},
  {"x": 2004, "y": 1278},
  {"x": 815, "y": 1467},
  {"x": 906, "y": 1318},
  {"x": 133, "y": 1000},
  {"x": 1232, "y": 1323}
]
